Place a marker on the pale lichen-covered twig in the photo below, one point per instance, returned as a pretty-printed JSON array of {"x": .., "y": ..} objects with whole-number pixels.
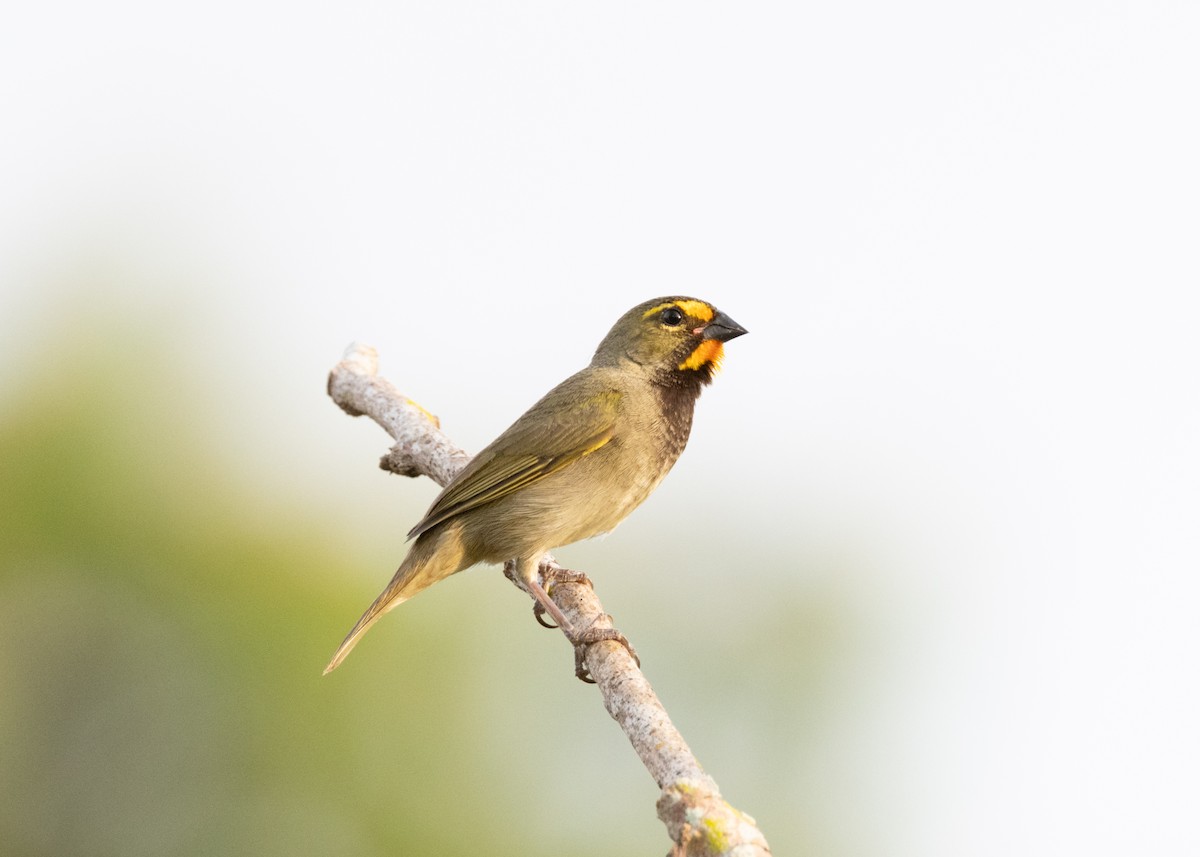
[{"x": 698, "y": 819}]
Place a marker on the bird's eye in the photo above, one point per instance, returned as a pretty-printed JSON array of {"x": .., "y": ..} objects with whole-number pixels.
[{"x": 672, "y": 317}]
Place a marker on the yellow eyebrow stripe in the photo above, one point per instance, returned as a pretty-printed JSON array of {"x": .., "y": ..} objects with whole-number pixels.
[{"x": 696, "y": 309}]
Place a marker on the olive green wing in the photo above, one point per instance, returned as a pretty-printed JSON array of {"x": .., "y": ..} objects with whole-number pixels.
[{"x": 567, "y": 424}]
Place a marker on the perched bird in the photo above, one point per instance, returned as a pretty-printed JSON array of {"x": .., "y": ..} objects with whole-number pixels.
[{"x": 575, "y": 464}]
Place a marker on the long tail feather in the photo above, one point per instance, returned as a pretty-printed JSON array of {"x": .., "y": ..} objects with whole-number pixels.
[
  {"x": 385, "y": 602},
  {"x": 435, "y": 555}
]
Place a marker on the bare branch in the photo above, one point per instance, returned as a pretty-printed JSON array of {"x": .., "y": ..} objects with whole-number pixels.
[
  {"x": 698, "y": 819},
  {"x": 420, "y": 449}
]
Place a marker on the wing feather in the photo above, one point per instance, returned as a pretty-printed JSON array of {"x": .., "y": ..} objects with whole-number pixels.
[{"x": 553, "y": 434}]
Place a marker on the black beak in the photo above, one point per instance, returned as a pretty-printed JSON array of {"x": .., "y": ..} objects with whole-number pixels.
[{"x": 723, "y": 328}]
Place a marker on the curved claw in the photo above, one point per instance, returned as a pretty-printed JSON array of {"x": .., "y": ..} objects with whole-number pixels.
[
  {"x": 539, "y": 613},
  {"x": 581, "y": 671}
]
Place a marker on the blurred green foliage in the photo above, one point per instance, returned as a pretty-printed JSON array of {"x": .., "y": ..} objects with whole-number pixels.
[
  {"x": 161, "y": 643},
  {"x": 163, "y": 627}
]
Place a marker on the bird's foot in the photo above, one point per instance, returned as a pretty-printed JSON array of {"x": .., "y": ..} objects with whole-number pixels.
[
  {"x": 552, "y": 575},
  {"x": 584, "y": 639},
  {"x": 549, "y": 575}
]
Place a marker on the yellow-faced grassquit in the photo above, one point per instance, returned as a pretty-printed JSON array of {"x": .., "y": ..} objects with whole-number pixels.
[{"x": 575, "y": 464}]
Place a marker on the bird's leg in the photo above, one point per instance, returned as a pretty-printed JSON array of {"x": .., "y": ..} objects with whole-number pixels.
[
  {"x": 551, "y": 574},
  {"x": 514, "y": 573},
  {"x": 548, "y": 606},
  {"x": 579, "y": 639}
]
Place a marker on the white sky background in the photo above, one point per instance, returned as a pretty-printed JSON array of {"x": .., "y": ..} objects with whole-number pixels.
[{"x": 964, "y": 240}]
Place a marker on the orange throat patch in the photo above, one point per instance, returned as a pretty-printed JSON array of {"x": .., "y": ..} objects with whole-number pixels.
[{"x": 710, "y": 351}]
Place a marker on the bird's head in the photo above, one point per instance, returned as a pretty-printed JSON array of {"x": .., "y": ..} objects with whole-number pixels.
[{"x": 674, "y": 335}]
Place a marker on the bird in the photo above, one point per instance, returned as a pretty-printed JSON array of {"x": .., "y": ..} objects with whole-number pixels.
[{"x": 573, "y": 466}]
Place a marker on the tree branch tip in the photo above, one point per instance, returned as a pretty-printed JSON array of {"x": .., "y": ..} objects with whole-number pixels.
[
  {"x": 364, "y": 357},
  {"x": 340, "y": 401},
  {"x": 357, "y": 361}
]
